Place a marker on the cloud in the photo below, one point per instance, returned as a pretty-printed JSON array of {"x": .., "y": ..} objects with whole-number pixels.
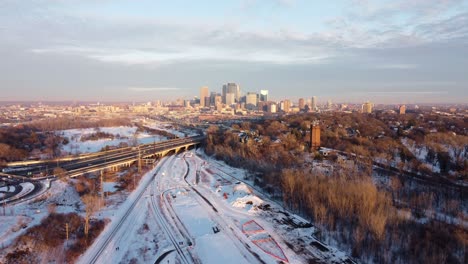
[
  {"x": 407, "y": 92},
  {"x": 398, "y": 66},
  {"x": 152, "y": 89},
  {"x": 351, "y": 51}
]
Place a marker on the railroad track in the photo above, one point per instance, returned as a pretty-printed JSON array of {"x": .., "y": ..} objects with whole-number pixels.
[
  {"x": 165, "y": 226},
  {"x": 102, "y": 248}
]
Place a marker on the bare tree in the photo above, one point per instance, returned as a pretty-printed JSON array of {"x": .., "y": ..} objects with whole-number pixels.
[{"x": 92, "y": 205}]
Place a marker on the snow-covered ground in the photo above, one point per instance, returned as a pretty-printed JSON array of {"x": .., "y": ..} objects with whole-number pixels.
[
  {"x": 24, "y": 214},
  {"x": 209, "y": 247},
  {"x": 132, "y": 235},
  {"x": 122, "y": 134},
  {"x": 192, "y": 206},
  {"x": 197, "y": 206},
  {"x": 420, "y": 152},
  {"x": 241, "y": 203},
  {"x": 6, "y": 190},
  {"x": 109, "y": 187},
  {"x": 26, "y": 188},
  {"x": 169, "y": 127}
]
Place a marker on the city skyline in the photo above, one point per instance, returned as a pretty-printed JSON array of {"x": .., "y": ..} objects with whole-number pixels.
[{"x": 397, "y": 52}]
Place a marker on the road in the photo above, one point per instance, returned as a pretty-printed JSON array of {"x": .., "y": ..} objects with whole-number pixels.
[
  {"x": 101, "y": 159},
  {"x": 97, "y": 161}
]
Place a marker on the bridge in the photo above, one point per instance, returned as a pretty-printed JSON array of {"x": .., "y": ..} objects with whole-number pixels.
[{"x": 112, "y": 159}]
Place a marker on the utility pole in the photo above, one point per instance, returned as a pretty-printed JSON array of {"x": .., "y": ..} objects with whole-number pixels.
[
  {"x": 102, "y": 189},
  {"x": 139, "y": 159},
  {"x": 66, "y": 230}
]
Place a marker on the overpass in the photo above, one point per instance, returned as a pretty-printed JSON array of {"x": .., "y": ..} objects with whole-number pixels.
[
  {"x": 139, "y": 154},
  {"x": 75, "y": 166}
]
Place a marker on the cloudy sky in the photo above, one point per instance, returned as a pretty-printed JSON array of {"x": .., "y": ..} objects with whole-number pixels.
[{"x": 397, "y": 51}]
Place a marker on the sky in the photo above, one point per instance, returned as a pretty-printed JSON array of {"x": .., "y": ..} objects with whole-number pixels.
[{"x": 398, "y": 51}]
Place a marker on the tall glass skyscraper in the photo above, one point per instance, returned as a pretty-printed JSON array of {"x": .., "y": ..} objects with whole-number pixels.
[
  {"x": 231, "y": 88},
  {"x": 263, "y": 95}
]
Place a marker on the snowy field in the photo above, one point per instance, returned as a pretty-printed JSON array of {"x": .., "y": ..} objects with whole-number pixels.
[
  {"x": 168, "y": 127},
  {"x": 24, "y": 214},
  {"x": 122, "y": 134},
  {"x": 211, "y": 248}
]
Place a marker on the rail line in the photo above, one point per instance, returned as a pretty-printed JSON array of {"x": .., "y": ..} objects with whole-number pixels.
[
  {"x": 164, "y": 224},
  {"x": 125, "y": 216}
]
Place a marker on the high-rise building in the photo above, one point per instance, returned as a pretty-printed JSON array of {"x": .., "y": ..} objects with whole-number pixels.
[
  {"x": 314, "y": 136},
  {"x": 286, "y": 106},
  {"x": 272, "y": 108},
  {"x": 329, "y": 104},
  {"x": 230, "y": 99},
  {"x": 402, "y": 109},
  {"x": 367, "y": 107},
  {"x": 251, "y": 101},
  {"x": 218, "y": 100},
  {"x": 212, "y": 98},
  {"x": 262, "y": 106},
  {"x": 263, "y": 95},
  {"x": 313, "y": 105},
  {"x": 204, "y": 93},
  {"x": 301, "y": 103},
  {"x": 231, "y": 88}
]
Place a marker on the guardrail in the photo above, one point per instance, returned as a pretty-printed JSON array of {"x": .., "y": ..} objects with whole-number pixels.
[
  {"x": 95, "y": 154},
  {"x": 132, "y": 157}
]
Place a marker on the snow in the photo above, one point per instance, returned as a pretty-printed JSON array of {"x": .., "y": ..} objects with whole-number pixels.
[
  {"x": 127, "y": 231},
  {"x": 27, "y": 187},
  {"x": 421, "y": 153},
  {"x": 243, "y": 205},
  {"x": 109, "y": 187},
  {"x": 122, "y": 134},
  {"x": 165, "y": 126},
  {"x": 210, "y": 247},
  {"x": 21, "y": 215},
  {"x": 8, "y": 188},
  {"x": 215, "y": 249},
  {"x": 165, "y": 210}
]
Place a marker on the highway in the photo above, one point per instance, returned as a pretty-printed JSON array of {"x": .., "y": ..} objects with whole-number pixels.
[{"x": 97, "y": 161}]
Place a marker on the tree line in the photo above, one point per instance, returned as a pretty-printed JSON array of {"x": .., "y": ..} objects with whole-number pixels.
[{"x": 373, "y": 223}]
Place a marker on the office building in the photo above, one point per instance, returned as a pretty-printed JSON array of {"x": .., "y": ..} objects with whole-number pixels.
[
  {"x": 313, "y": 104},
  {"x": 218, "y": 100},
  {"x": 367, "y": 107},
  {"x": 263, "y": 95},
  {"x": 272, "y": 108},
  {"x": 251, "y": 101},
  {"x": 230, "y": 99},
  {"x": 231, "y": 88},
  {"x": 402, "y": 109},
  {"x": 212, "y": 98},
  {"x": 204, "y": 93},
  {"x": 301, "y": 103},
  {"x": 285, "y": 106}
]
